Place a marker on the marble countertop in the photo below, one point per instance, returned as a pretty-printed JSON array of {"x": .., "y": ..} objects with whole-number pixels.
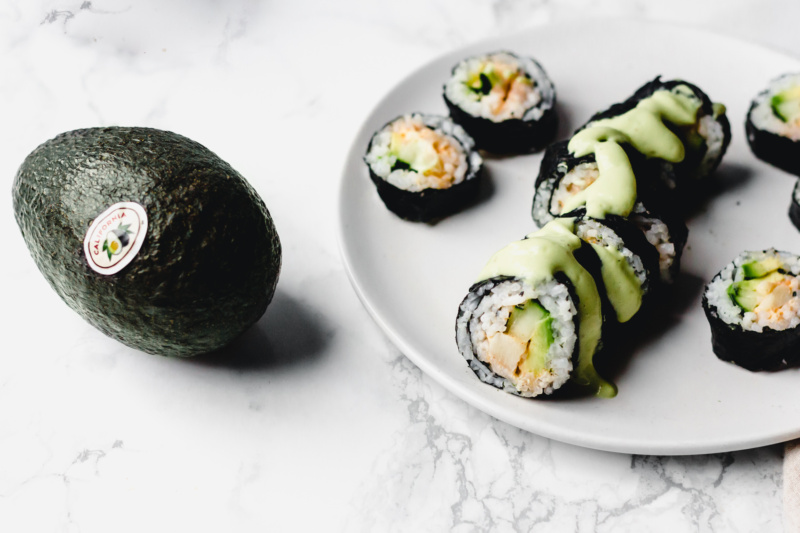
[{"x": 315, "y": 422}]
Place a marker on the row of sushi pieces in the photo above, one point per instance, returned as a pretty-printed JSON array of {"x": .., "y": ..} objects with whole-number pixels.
[
  {"x": 773, "y": 130},
  {"x": 426, "y": 167},
  {"x": 607, "y": 203},
  {"x": 752, "y": 304}
]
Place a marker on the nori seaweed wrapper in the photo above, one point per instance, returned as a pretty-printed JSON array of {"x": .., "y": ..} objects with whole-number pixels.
[
  {"x": 429, "y": 204},
  {"x": 511, "y": 136},
  {"x": 794, "y": 207}
]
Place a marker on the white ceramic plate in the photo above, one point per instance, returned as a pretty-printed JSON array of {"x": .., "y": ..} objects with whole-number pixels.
[{"x": 675, "y": 396}]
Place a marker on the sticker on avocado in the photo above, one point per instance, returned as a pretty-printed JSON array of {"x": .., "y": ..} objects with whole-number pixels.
[{"x": 115, "y": 237}]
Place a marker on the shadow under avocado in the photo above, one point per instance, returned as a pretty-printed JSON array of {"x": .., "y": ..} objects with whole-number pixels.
[{"x": 287, "y": 335}]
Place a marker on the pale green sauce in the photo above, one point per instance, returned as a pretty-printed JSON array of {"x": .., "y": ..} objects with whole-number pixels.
[
  {"x": 614, "y": 191},
  {"x": 550, "y": 250},
  {"x": 537, "y": 259},
  {"x": 622, "y": 286},
  {"x": 643, "y": 128}
]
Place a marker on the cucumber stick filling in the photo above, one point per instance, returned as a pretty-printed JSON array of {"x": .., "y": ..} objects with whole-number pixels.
[
  {"x": 786, "y": 104},
  {"x": 766, "y": 287}
]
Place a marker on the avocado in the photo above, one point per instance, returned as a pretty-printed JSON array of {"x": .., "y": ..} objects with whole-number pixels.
[
  {"x": 745, "y": 293},
  {"x": 193, "y": 252},
  {"x": 786, "y": 104},
  {"x": 482, "y": 82},
  {"x": 758, "y": 269},
  {"x": 532, "y": 324},
  {"x": 413, "y": 151}
]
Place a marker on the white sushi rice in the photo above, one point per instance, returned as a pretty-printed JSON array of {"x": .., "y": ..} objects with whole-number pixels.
[
  {"x": 657, "y": 233},
  {"x": 381, "y": 160},
  {"x": 541, "y": 203},
  {"x": 726, "y": 309},
  {"x": 576, "y": 180},
  {"x": 485, "y": 313},
  {"x": 762, "y": 116},
  {"x": 711, "y": 130},
  {"x": 538, "y": 100}
]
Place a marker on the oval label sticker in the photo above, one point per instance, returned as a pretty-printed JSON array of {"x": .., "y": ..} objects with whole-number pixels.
[{"x": 115, "y": 237}]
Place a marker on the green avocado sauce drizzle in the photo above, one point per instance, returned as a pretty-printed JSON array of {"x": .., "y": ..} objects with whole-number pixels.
[
  {"x": 622, "y": 286},
  {"x": 643, "y": 128},
  {"x": 550, "y": 250},
  {"x": 538, "y": 258}
]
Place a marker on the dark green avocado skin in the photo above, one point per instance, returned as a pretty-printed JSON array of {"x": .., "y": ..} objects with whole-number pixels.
[{"x": 211, "y": 256}]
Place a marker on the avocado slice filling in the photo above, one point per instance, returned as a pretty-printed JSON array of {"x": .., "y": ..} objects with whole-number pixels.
[
  {"x": 482, "y": 81},
  {"x": 767, "y": 291},
  {"x": 786, "y": 104},
  {"x": 413, "y": 152},
  {"x": 759, "y": 269},
  {"x": 523, "y": 348}
]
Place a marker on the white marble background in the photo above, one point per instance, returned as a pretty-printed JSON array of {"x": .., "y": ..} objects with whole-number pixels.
[{"x": 316, "y": 423}]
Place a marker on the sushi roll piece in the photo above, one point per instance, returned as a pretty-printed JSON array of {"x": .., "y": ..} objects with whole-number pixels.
[
  {"x": 753, "y": 307},
  {"x": 505, "y": 101},
  {"x": 519, "y": 337},
  {"x": 773, "y": 124},
  {"x": 705, "y": 139},
  {"x": 534, "y": 319},
  {"x": 424, "y": 167},
  {"x": 794, "y": 208}
]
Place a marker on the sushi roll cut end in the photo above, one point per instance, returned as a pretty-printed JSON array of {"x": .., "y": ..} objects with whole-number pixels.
[
  {"x": 495, "y": 87},
  {"x": 753, "y": 306},
  {"x": 505, "y": 101},
  {"x": 778, "y": 108},
  {"x": 424, "y": 166},
  {"x": 518, "y": 337},
  {"x": 773, "y": 123}
]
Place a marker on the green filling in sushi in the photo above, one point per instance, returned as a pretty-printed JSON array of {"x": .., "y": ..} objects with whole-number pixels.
[
  {"x": 786, "y": 104},
  {"x": 523, "y": 346}
]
